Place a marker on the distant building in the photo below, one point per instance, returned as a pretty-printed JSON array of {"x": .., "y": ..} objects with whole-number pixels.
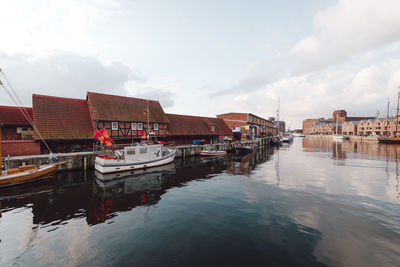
[
  {"x": 281, "y": 125},
  {"x": 249, "y": 124},
  {"x": 332, "y": 125}
]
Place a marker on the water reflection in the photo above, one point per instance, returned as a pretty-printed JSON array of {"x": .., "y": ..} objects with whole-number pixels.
[
  {"x": 374, "y": 152},
  {"x": 77, "y": 194},
  {"x": 313, "y": 203}
]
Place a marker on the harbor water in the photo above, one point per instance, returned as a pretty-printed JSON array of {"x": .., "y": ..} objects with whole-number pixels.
[{"x": 315, "y": 202}]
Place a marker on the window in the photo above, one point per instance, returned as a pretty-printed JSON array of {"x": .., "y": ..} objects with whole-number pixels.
[
  {"x": 114, "y": 125},
  {"x": 131, "y": 152},
  {"x": 155, "y": 126},
  {"x": 213, "y": 128},
  {"x": 133, "y": 126},
  {"x": 140, "y": 126}
]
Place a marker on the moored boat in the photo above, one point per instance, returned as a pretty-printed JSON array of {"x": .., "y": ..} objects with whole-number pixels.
[
  {"x": 212, "y": 153},
  {"x": 25, "y": 173},
  {"x": 287, "y": 138},
  {"x": 395, "y": 139},
  {"x": 134, "y": 158},
  {"x": 339, "y": 137}
]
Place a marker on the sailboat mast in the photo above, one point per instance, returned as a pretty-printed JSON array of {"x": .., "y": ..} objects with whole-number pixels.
[
  {"x": 0, "y": 150},
  {"x": 337, "y": 118},
  {"x": 387, "y": 119},
  {"x": 397, "y": 116},
  {"x": 277, "y": 116},
  {"x": 148, "y": 120}
]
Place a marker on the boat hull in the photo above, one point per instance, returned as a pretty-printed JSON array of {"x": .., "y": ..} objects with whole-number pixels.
[
  {"x": 389, "y": 140},
  {"x": 212, "y": 153},
  {"x": 29, "y": 176},
  {"x": 102, "y": 166}
]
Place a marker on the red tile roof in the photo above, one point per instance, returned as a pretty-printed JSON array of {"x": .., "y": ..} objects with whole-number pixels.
[
  {"x": 13, "y": 116},
  {"x": 120, "y": 108},
  {"x": 194, "y": 125},
  {"x": 62, "y": 118}
]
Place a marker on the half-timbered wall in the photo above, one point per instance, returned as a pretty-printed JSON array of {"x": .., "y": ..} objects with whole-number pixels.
[{"x": 125, "y": 129}]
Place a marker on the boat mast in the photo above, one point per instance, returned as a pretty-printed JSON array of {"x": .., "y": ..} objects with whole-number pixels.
[
  {"x": 148, "y": 120},
  {"x": 387, "y": 119},
  {"x": 0, "y": 149},
  {"x": 337, "y": 118},
  {"x": 397, "y": 116},
  {"x": 277, "y": 116}
]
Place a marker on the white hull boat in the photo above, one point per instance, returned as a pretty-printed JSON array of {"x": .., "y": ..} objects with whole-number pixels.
[
  {"x": 135, "y": 158},
  {"x": 212, "y": 153},
  {"x": 339, "y": 137}
]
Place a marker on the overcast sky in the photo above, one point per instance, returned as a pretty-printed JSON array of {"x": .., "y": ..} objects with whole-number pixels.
[{"x": 208, "y": 57}]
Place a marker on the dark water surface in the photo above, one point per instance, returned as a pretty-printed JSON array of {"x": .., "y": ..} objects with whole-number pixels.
[{"x": 314, "y": 203}]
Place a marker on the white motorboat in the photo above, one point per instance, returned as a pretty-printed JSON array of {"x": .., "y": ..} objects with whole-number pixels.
[
  {"x": 338, "y": 137},
  {"x": 135, "y": 158},
  {"x": 287, "y": 138}
]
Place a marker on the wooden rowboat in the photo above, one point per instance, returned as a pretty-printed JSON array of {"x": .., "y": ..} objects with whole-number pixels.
[{"x": 28, "y": 173}]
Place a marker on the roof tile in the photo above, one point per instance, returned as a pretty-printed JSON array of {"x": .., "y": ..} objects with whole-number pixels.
[
  {"x": 10, "y": 115},
  {"x": 121, "y": 108},
  {"x": 62, "y": 118}
]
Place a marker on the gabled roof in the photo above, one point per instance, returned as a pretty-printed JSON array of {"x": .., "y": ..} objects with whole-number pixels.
[
  {"x": 62, "y": 118},
  {"x": 120, "y": 108},
  {"x": 13, "y": 116},
  {"x": 194, "y": 125}
]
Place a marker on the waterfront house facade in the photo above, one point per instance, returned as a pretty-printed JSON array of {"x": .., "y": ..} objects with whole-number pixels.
[
  {"x": 127, "y": 118},
  {"x": 248, "y": 124},
  {"x": 328, "y": 126}
]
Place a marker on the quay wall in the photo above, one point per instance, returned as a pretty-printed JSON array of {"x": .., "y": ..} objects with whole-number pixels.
[
  {"x": 82, "y": 160},
  {"x": 352, "y": 137}
]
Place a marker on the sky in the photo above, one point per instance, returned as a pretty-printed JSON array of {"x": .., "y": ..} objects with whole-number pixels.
[{"x": 208, "y": 57}]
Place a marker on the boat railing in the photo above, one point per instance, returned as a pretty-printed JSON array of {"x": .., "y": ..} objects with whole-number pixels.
[{"x": 170, "y": 144}]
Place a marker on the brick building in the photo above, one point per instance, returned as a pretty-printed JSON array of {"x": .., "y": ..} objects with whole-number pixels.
[
  {"x": 127, "y": 118},
  {"x": 16, "y": 132},
  {"x": 184, "y": 129},
  {"x": 248, "y": 124},
  {"x": 65, "y": 123},
  {"x": 324, "y": 126},
  {"x": 14, "y": 126}
]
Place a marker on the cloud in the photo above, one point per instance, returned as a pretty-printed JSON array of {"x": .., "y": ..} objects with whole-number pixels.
[
  {"x": 343, "y": 31},
  {"x": 42, "y": 25},
  {"x": 346, "y": 29},
  {"x": 164, "y": 94},
  {"x": 64, "y": 74},
  {"x": 317, "y": 94}
]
